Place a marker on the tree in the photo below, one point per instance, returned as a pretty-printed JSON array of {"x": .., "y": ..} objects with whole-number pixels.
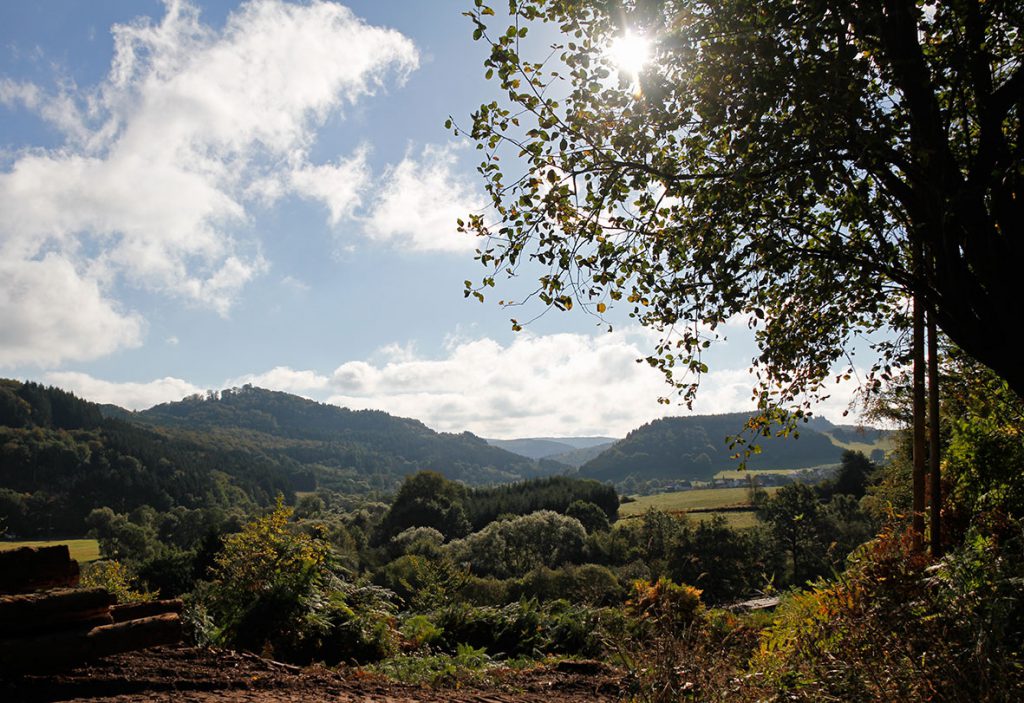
[
  {"x": 427, "y": 499},
  {"x": 590, "y": 516},
  {"x": 855, "y": 470},
  {"x": 794, "y": 516},
  {"x": 514, "y": 546},
  {"x": 806, "y": 165}
]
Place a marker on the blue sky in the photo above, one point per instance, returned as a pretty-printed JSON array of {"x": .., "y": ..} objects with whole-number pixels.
[{"x": 204, "y": 194}]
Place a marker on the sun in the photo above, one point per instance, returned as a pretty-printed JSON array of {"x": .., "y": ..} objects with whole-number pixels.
[{"x": 630, "y": 53}]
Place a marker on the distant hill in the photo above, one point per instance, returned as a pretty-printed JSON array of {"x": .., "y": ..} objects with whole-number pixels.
[
  {"x": 872, "y": 441},
  {"x": 532, "y": 448},
  {"x": 346, "y": 449},
  {"x": 61, "y": 456},
  {"x": 579, "y": 457},
  {"x": 550, "y": 447},
  {"x": 695, "y": 448}
]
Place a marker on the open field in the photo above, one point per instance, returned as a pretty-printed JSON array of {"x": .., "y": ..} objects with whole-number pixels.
[
  {"x": 736, "y": 519},
  {"x": 697, "y": 499},
  {"x": 742, "y": 475},
  {"x": 886, "y": 444},
  {"x": 82, "y": 550}
]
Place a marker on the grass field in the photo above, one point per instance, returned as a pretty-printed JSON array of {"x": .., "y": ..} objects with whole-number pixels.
[
  {"x": 699, "y": 498},
  {"x": 741, "y": 475},
  {"x": 82, "y": 550},
  {"x": 886, "y": 444},
  {"x": 736, "y": 520}
]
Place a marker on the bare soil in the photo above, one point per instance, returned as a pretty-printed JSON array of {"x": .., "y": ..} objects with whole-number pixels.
[{"x": 186, "y": 674}]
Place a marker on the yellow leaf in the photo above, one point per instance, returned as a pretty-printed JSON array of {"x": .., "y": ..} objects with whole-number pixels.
[{"x": 601, "y": 307}]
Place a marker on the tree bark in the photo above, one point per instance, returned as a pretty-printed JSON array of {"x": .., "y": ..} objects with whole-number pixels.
[
  {"x": 51, "y": 651},
  {"x": 145, "y": 609},
  {"x": 935, "y": 484},
  {"x": 917, "y": 520},
  {"x": 29, "y": 607}
]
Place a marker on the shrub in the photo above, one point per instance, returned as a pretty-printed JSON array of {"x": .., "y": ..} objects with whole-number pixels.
[
  {"x": 274, "y": 592},
  {"x": 894, "y": 627},
  {"x": 116, "y": 578}
]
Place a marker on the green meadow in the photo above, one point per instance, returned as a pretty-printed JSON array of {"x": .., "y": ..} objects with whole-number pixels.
[
  {"x": 706, "y": 499},
  {"x": 82, "y": 550}
]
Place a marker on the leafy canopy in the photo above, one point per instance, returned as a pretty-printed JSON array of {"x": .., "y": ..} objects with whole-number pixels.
[{"x": 775, "y": 160}]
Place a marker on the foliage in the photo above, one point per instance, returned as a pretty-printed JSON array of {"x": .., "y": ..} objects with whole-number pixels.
[
  {"x": 775, "y": 160},
  {"x": 423, "y": 583},
  {"x": 726, "y": 564},
  {"x": 891, "y": 628},
  {"x": 555, "y": 493},
  {"x": 428, "y": 499},
  {"x": 273, "y": 591},
  {"x": 697, "y": 448},
  {"x": 116, "y": 578},
  {"x": 468, "y": 666},
  {"x": 589, "y": 515},
  {"x": 524, "y": 628},
  {"x": 590, "y": 584},
  {"x": 794, "y": 516},
  {"x": 854, "y": 474},
  {"x": 513, "y": 546},
  {"x": 665, "y": 604}
]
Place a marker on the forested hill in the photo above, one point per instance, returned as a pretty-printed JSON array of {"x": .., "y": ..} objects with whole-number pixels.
[
  {"x": 696, "y": 448},
  {"x": 345, "y": 449},
  {"x": 61, "y": 456},
  {"x": 59, "y": 459}
]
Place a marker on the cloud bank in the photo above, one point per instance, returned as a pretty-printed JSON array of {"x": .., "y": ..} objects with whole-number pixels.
[
  {"x": 561, "y": 384},
  {"x": 164, "y": 159}
]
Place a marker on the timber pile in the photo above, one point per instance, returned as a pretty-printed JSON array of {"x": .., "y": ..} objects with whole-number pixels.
[{"x": 65, "y": 625}]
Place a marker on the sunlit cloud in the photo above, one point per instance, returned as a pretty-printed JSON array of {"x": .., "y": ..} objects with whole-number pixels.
[
  {"x": 163, "y": 160},
  {"x": 537, "y": 385},
  {"x": 131, "y": 396},
  {"x": 420, "y": 200}
]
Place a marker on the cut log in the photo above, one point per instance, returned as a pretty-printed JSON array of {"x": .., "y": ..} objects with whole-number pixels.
[
  {"x": 145, "y": 609},
  {"x": 32, "y": 568},
  {"x": 55, "y": 650},
  {"x": 57, "y": 622},
  {"x": 27, "y": 608}
]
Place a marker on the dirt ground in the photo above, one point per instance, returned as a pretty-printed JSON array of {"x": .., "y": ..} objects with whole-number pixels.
[{"x": 186, "y": 674}]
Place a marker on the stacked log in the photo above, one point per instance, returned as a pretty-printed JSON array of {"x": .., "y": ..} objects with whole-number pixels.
[
  {"x": 62, "y": 626},
  {"x": 32, "y": 568}
]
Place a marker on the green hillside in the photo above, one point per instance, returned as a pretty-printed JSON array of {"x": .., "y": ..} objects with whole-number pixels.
[
  {"x": 696, "y": 448},
  {"x": 60, "y": 457},
  {"x": 351, "y": 450}
]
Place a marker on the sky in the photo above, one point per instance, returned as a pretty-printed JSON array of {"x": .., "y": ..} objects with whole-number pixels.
[{"x": 199, "y": 195}]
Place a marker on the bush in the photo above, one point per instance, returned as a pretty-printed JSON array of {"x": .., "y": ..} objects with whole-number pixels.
[
  {"x": 116, "y": 578},
  {"x": 524, "y": 628},
  {"x": 894, "y": 627},
  {"x": 274, "y": 592}
]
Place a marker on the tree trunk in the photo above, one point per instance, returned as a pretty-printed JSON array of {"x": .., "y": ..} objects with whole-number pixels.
[
  {"x": 934, "y": 439},
  {"x": 53, "y": 650},
  {"x": 917, "y": 521}
]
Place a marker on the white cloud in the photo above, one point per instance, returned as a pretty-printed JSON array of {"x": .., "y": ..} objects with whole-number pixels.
[
  {"x": 163, "y": 159},
  {"x": 50, "y": 312},
  {"x": 282, "y": 378},
  {"x": 560, "y": 384},
  {"x": 133, "y": 396},
  {"x": 337, "y": 186},
  {"x": 420, "y": 201}
]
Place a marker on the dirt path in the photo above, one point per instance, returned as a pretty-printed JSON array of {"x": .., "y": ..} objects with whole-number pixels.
[{"x": 185, "y": 674}]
